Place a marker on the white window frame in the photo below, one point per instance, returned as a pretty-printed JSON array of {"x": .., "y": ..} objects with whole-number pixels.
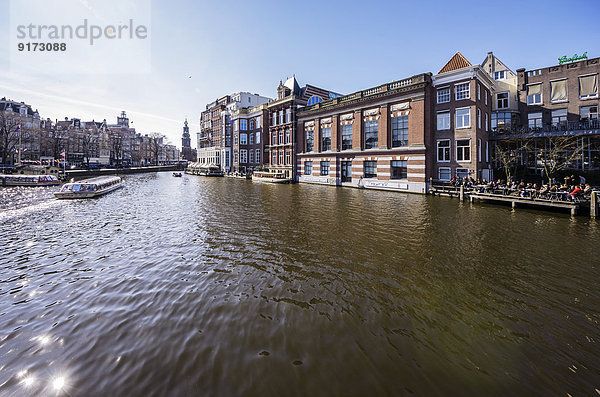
[
  {"x": 479, "y": 158},
  {"x": 243, "y": 156},
  {"x": 438, "y": 118},
  {"x": 487, "y": 151},
  {"x": 243, "y": 125},
  {"x": 507, "y": 100},
  {"x": 442, "y": 91},
  {"x": 467, "y": 91},
  {"x": 467, "y": 115},
  {"x": 243, "y": 139},
  {"x": 463, "y": 150},
  {"x": 478, "y": 92},
  {"x": 445, "y": 169},
  {"x": 487, "y": 122},
  {"x": 257, "y": 157},
  {"x": 497, "y": 75},
  {"x": 541, "y": 95},
  {"x": 478, "y": 118},
  {"x": 449, "y": 147},
  {"x": 235, "y": 125},
  {"x": 461, "y": 168},
  {"x": 589, "y": 106},
  {"x": 486, "y": 97}
]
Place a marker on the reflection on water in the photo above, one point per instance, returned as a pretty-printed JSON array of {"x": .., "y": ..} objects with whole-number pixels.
[{"x": 226, "y": 287}]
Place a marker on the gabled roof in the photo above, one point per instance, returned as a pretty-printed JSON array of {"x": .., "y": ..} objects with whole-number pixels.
[
  {"x": 497, "y": 60},
  {"x": 458, "y": 61}
]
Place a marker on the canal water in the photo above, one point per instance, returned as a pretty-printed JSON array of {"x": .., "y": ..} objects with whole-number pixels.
[{"x": 225, "y": 287}]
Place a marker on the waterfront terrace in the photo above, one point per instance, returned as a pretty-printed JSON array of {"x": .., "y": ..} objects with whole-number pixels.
[{"x": 376, "y": 138}]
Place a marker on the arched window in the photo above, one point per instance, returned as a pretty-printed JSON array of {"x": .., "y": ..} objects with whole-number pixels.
[{"x": 314, "y": 99}]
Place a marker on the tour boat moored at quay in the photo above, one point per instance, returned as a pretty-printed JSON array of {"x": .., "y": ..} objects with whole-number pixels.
[
  {"x": 29, "y": 180},
  {"x": 204, "y": 170},
  {"x": 88, "y": 188},
  {"x": 270, "y": 177}
]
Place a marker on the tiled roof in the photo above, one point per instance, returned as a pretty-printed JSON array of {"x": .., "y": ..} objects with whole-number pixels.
[{"x": 458, "y": 61}]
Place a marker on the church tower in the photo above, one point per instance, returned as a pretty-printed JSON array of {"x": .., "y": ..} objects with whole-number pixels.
[{"x": 185, "y": 139}]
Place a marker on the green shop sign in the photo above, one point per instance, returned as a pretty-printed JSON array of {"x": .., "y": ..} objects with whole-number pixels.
[{"x": 575, "y": 57}]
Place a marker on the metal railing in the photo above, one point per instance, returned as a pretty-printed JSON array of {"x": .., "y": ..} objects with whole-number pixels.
[
  {"x": 365, "y": 93},
  {"x": 554, "y": 128}
]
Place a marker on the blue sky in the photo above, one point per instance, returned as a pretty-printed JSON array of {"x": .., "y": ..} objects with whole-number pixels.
[{"x": 344, "y": 46}]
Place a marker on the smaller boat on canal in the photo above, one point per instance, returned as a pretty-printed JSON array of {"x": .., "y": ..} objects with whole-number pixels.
[
  {"x": 270, "y": 177},
  {"x": 89, "y": 188},
  {"x": 29, "y": 180},
  {"x": 177, "y": 174}
]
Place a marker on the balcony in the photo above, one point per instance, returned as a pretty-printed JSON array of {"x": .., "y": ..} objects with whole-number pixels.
[
  {"x": 567, "y": 128},
  {"x": 204, "y": 137}
]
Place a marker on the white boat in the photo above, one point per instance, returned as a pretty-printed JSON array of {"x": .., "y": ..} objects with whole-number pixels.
[
  {"x": 270, "y": 177},
  {"x": 204, "y": 170},
  {"x": 88, "y": 188},
  {"x": 28, "y": 180}
]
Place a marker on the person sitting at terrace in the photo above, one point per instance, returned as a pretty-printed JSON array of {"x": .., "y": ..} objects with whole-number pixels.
[
  {"x": 587, "y": 189},
  {"x": 576, "y": 192}
]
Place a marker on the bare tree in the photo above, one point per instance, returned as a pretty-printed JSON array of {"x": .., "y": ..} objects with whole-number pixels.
[
  {"x": 559, "y": 153},
  {"x": 509, "y": 155},
  {"x": 9, "y": 137},
  {"x": 58, "y": 139},
  {"x": 89, "y": 142},
  {"x": 116, "y": 147},
  {"x": 156, "y": 144}
]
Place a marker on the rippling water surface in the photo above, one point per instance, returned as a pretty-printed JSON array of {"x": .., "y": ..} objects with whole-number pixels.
[{"x": 197, "y": 286}]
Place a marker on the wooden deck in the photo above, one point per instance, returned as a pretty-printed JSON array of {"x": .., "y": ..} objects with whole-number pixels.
[{"x": 515, "y": 201}]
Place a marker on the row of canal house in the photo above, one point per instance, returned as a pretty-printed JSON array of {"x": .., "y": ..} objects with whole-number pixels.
[{"x": 402, "y": 134}]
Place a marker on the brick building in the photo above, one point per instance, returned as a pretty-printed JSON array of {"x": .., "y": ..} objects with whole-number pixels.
[
  {"x": 283, "y": 124},
  {"x": 374, "y": 138},
  {"x": 463, "y": 105},
  {"x": 556, "y": 102}
]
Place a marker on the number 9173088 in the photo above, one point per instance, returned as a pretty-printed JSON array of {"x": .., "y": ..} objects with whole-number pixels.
[{"x": 42, "y": 46}]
